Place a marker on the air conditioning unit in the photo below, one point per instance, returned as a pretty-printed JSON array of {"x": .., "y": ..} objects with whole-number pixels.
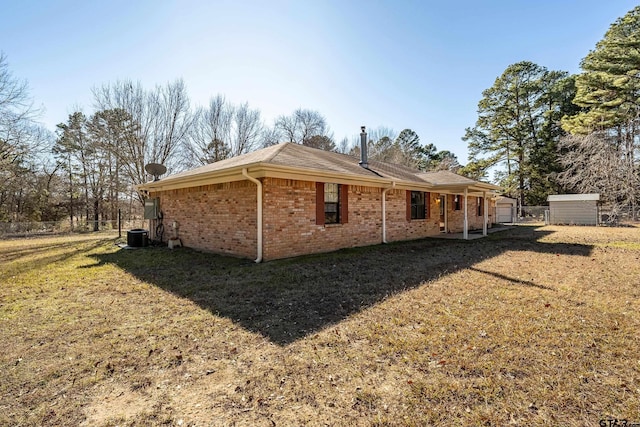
[{"x": 151, "y": 208}]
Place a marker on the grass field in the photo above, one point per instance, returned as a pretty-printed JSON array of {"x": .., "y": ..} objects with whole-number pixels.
[{"x": 529, "y": 326}]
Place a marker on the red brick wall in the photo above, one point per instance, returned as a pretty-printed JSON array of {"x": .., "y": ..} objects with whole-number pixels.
[
  {"x": 222, "y": 218},
  {"x": 290, "y": 220},
  {"x": 398, "y": 228},
  {"x": 218, "y": 217},
  {"x": 455, "y": 218}
]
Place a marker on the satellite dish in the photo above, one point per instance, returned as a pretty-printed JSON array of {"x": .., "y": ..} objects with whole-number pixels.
[{"x": 155, "y": 169}]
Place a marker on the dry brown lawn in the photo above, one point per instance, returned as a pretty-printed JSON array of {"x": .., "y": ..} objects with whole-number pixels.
[{"x": 530, "y": 326}]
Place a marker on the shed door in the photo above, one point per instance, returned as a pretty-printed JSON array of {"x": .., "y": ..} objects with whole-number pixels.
[
  {"x": 580, "y": 212},
  {"x": 503, "y": 213}
]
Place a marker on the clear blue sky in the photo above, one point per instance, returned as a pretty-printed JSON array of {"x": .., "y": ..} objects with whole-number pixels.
[{"x": 401, "y": 64}]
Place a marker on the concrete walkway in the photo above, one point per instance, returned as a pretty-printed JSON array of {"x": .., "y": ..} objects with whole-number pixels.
[{"x": 475, "y": 234}]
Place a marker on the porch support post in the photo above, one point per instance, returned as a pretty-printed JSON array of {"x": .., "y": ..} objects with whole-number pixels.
[
  {"x": 486, "y": 213},
  {"x": 465, "y": 231}
]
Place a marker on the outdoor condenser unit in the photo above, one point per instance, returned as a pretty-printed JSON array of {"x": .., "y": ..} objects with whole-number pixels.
[{"x": 151, "y": 208}]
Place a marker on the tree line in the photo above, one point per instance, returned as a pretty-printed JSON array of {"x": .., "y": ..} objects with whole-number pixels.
[
  {"x": 87, "y": 169},
  {"x": 546, "y": 132},
  {"x": 538, "y": 131}
]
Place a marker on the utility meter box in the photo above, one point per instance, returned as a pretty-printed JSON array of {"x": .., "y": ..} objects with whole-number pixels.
[{"x": 151, "y": 208}]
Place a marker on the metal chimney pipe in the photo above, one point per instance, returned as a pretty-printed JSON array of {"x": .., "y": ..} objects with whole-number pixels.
[{"x": 364, "y": 162}]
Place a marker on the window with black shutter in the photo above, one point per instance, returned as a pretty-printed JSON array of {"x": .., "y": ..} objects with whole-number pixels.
[
  {"x": 332, "y": 203},
  {"x": 418, "y": 208}
]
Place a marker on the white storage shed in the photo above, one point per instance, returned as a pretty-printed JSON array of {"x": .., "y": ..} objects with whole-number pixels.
[
  {"x": 505, "y": 210},
  {"x": 573, "y": 209}
]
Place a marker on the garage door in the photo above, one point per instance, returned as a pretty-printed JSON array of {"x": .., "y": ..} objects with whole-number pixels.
[{"x": 503, "y": 213}]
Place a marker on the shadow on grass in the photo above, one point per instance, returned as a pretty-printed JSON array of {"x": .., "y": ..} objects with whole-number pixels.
[
  {"x": 9, "y": 254},
  {"x": 31, "y": 258},
  {"x": 289, "y": 299},
  {"x": 513, "y": 280}
]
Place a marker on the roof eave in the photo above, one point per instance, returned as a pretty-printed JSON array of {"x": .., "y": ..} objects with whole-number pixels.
[{"x": 195, "y": 180}]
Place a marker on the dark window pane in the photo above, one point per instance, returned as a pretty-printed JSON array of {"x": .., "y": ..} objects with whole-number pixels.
[
  {"x": 417, "y": 205},
  {"x": 331, "y": 203}
]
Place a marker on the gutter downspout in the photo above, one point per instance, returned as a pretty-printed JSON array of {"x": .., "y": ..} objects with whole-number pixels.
[
  {"x": 465, "y": 231},
  {"x": 384, "y": 211},
  {"x": 259, "y": 212}
]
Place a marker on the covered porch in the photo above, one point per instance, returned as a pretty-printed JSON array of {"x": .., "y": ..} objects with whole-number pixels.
[
  {"x": 461, "y": 190},
  {"x": 472, "y": 235}
]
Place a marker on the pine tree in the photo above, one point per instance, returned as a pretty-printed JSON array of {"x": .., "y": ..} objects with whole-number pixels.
[
  {"x": 609, "y": 87},
  {"x": 608, "y": 90},
  {"x": 517, "y": 129}
]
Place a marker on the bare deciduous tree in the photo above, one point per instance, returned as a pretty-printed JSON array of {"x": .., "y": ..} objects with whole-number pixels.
[
  {"x": 247, "y": 129},
  {"x": 174, "y": 121},
  {"x": 379, "y": 140},
  {"x": 600, "y": 163},
  {"x": 385, "y": 150},
  {"x": 162, "y": 121},
  {"x": 303, "y": 125},
  {"x": 211, "y": 132},
  {"x": 287, "y": 128},
  {"x": 343, "y": 146},
  {"x": 270, "y": 136},
  {"x": 16, "y": 109},
  {"x": 17, "y": 128},
  {"x": 321, "y": 142},
  {"x": 224, "y": 130},
  {"x": 21, "y": 141},
  {"x": 376, "y": 134}
]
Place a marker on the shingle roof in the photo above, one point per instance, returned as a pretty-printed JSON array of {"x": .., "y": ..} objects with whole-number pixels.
[
  {"x": 305, "y": 158},
  {"x": 300, "y": 156},
  {"x": 258, "y": 156},
  {"x": 445, "y": 178}
]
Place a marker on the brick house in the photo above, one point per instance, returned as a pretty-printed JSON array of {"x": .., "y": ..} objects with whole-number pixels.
[{"x": 288, "y": 200}]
